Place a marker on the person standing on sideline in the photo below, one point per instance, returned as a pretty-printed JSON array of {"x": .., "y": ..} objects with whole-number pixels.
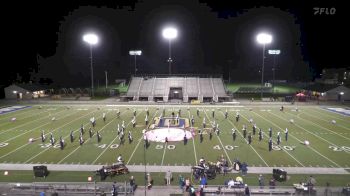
[
  {"x": 286, "y": 134},
  {"x": 168, "y": 177},
  {"x": 261, "y": 181}
]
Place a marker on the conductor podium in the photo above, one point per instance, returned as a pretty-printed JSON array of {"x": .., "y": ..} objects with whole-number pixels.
[
  {"x": 40, "y": 171},
  {"x": 279, "y": 175}
]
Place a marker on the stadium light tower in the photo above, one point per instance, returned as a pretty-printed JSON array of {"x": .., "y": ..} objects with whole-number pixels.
[
  {"x": 169, "y": 33},
  {"x": 274, "y": 53},
  {"x": 135, "y": 53},
  {"x": 91, "y": 39},
  {"x": 263, "y": 39}
]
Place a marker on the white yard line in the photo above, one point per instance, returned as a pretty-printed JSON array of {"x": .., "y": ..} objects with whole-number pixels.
[
  {"x": 10, "y": 114},
  {"x": 88, "y": 138},
  {"x": 46, "y": 149},
  {"x": 194, "y": 146},
  {"x": 20, "y": 118},
  {"x": 21, "y": 125},
  {"x": 281, "y": 148},
  {"x": 161, "y": 164},
  {"x": 223, "y": 147},
  {"x": 300, "y": 141},
  {"x": 26, "y": 144},
  {"x": 132, "y": 154},
  {"x": 327, "y": 121},
  {"x": 321, "y": 126},
  {"x": 308, "y": 131},
  {"x": 112, "y": 142},
  {"x": 246, "y": 141},
  {"x": 334, "y": 112},
  {"x": 36, "y": 128}
]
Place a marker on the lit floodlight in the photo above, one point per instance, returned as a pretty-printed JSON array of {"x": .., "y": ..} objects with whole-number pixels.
[
  {"x": 90, "y": 38},
  {"x": 135, "y": 52},
  {"x": 169, "y": 33},
  {"x": 277, "y": 52},
  {"x": 264, "y": 38},
  {"x": 14, "y": 92},
  {"x": 341, "y": 93}
]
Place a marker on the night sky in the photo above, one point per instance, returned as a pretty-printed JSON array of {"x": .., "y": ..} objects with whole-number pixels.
[{"x": 44, "y": 41}]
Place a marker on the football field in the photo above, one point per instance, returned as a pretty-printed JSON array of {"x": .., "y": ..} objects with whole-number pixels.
[{"x": 329, "y": 141}]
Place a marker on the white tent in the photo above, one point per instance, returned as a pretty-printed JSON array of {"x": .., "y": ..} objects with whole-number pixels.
[{"x": 337, "y": 94}]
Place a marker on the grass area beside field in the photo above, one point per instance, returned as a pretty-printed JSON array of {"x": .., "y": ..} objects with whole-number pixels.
[
  {"x": 250, "y": 179},
  {"x": 279, "y": 88}
]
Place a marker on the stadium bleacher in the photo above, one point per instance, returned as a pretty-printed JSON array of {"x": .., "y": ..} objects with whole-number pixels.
[{"x": 151, "y": 88}]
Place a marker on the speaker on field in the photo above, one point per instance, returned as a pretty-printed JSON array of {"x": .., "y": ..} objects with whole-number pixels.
[
  {"x": 40, "y": 171},
  {"x": 279, "y": 175}
]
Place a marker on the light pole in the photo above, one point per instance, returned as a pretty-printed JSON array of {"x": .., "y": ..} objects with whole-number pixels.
[
  {"x": 135, "y": 53},
  {"x": 91, "y": 39},
  {"x": 263, "y": 39},
  {"x": 106, "y": 79},
  {"x": 274, "y": 53},
  {"x": 169, "y": 33}
]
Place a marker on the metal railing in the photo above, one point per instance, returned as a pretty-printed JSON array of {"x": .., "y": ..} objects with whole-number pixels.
[{"x": 71, "y": 188}]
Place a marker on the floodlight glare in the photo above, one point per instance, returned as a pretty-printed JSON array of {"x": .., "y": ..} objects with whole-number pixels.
[
  {"x": 135, "y": 52},
  {"x": 264, "y": 38},
  {"x": 169, "y": 33},
  {"x": 341, "y": 93},
  {"x": 277, "y": 52},
  {"x": 90, "y": 38}
]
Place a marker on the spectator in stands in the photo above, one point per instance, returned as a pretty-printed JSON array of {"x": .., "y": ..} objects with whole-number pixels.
[
  {"x": 261, "y": 181},
  {"x": 114, "y": 190},
  {"x": 246, "y": 190},
  {"x": 188, "y": 189},
  {"x": 272, "y": 183},
  {"x": 203, "y": 181},
  {"x": 231, "y": 183},
  {"x": 244, "y": 168},
  {"x": 346, "y": 190},
  {"x": 181, "y": 182},
  {"x": 149, "y": 181},
  {"x": 103, "y": 193},
  {"x": 311, "y": 183},
  {"x": 42, "y": 193},
  {"x": 327, "y": 191},
  {"x": 132, "y": 183}
]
